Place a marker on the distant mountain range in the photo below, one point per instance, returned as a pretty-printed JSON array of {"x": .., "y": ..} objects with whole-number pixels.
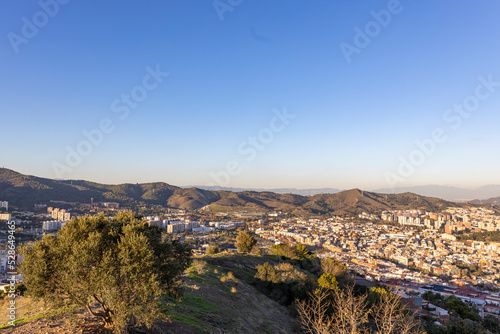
[
  {"x": 448, "y": 193},
  {"x": 493, "y": 200},
  {"x": 24, "y": 191},
  {"x": 303, "y": 192}
]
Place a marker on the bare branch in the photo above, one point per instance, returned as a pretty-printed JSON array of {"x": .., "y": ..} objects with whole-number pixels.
[{"x": 391, "y": 318}]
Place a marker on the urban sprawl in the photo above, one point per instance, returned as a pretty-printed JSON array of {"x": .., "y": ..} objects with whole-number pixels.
[{"x": 410, "y": 251}]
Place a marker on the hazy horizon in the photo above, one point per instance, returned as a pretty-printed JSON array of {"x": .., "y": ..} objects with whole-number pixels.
[
  {"x": 385, "y": 94},
  {"x": 388, "y": 190}
]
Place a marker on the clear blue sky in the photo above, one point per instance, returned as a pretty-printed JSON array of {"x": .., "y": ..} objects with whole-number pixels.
[{"x": 352, "y": 120}]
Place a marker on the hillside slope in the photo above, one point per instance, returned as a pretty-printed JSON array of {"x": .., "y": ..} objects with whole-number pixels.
[
  {"x": 214, "y": 302},
  {"x": 219, "y": 299},
  {"x": 26, "y": 190}
]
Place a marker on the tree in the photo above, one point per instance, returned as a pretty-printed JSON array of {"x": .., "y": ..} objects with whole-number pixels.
[
  {"x": 338, "y": 269},
  {"x": 283, "y": 282},
  {"x": 245, "y": 242},
  {"x": 457, "y": 307},
  {"x": 328, "y": 281},
  {"x": 375, "y": 295},
  {"x": 454, "y": 305},
  {"x": 491, "y": 323},
  {"x": 390, "y": 316},
  {"x": 294, "y": 252},
  {"x": 304, "y": 252},
  {"x": 334, "y": 267},
  {"x": 118, "y": 269},
  {"x": 267, "y": 273},
  {"x": 314, "y": 314},
  {"x": 212, "y": 249},
  {"x": 350, "y": 313}
]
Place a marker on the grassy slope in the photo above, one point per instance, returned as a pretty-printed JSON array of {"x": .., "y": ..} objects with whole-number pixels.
[
  {"x": 217, "y": 302},
  {"x": 214, "y": 302}
]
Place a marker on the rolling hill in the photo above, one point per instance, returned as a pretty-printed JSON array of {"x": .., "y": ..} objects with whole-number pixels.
[
  {"x": 24, "y": 191},
  {"x": 493, "y": 200}
]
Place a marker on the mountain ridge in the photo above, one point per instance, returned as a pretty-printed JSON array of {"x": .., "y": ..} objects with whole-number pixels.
[
  {"x": 449, "y": 193},
  {"x": 26, "y": 190}
]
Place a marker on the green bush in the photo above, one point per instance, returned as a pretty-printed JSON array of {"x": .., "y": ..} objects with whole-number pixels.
[{"x": 245, "y": 242}]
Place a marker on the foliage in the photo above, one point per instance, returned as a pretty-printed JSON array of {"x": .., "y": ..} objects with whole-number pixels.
[
  {"x": 491, "y": 323},
  {"x": 283, "y": 282},
  {"x": 376, "y": 295},
  {"x": 212, "y": 249},
  {"x": 229, "y": 277},
  {"x": 199, "y": 266},
  {"x": 245, "y": 241},
  {"x": 454, "y": 305},
  {"x": 328, "y": 281},
  {"x": 118, "y": 269},
  {"x": 20, "y": 289},
  {"x": 297, "y": 252},
  {"x": 311, "y": 264},
  {"x": 303, "y": 250},
  {"x": 334, "y": 267},
  {"x": 457, "y": 307},
  {"x": 465, "y": 326},
  {"x": 464, "y": 319}
]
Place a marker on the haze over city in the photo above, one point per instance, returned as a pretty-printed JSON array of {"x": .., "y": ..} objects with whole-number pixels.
[{"x": 257, "y": 94}]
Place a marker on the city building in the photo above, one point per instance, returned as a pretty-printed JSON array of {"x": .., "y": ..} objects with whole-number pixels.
[
  {"x": 111, "y": 205},
  {"x": 52, "y": 226},
  {"x": 5, "y": 216}
]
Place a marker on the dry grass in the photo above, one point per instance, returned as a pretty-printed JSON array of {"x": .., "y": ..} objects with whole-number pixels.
[{"x": 26, "y": 308}]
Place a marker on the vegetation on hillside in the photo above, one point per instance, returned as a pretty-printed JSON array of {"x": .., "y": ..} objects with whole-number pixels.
[
  {"x": 118, "y": 269},
  {"x": 245, "y": 242}
]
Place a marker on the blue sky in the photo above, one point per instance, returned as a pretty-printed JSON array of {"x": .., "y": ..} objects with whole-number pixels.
[{"x": 354, "y": 122}]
